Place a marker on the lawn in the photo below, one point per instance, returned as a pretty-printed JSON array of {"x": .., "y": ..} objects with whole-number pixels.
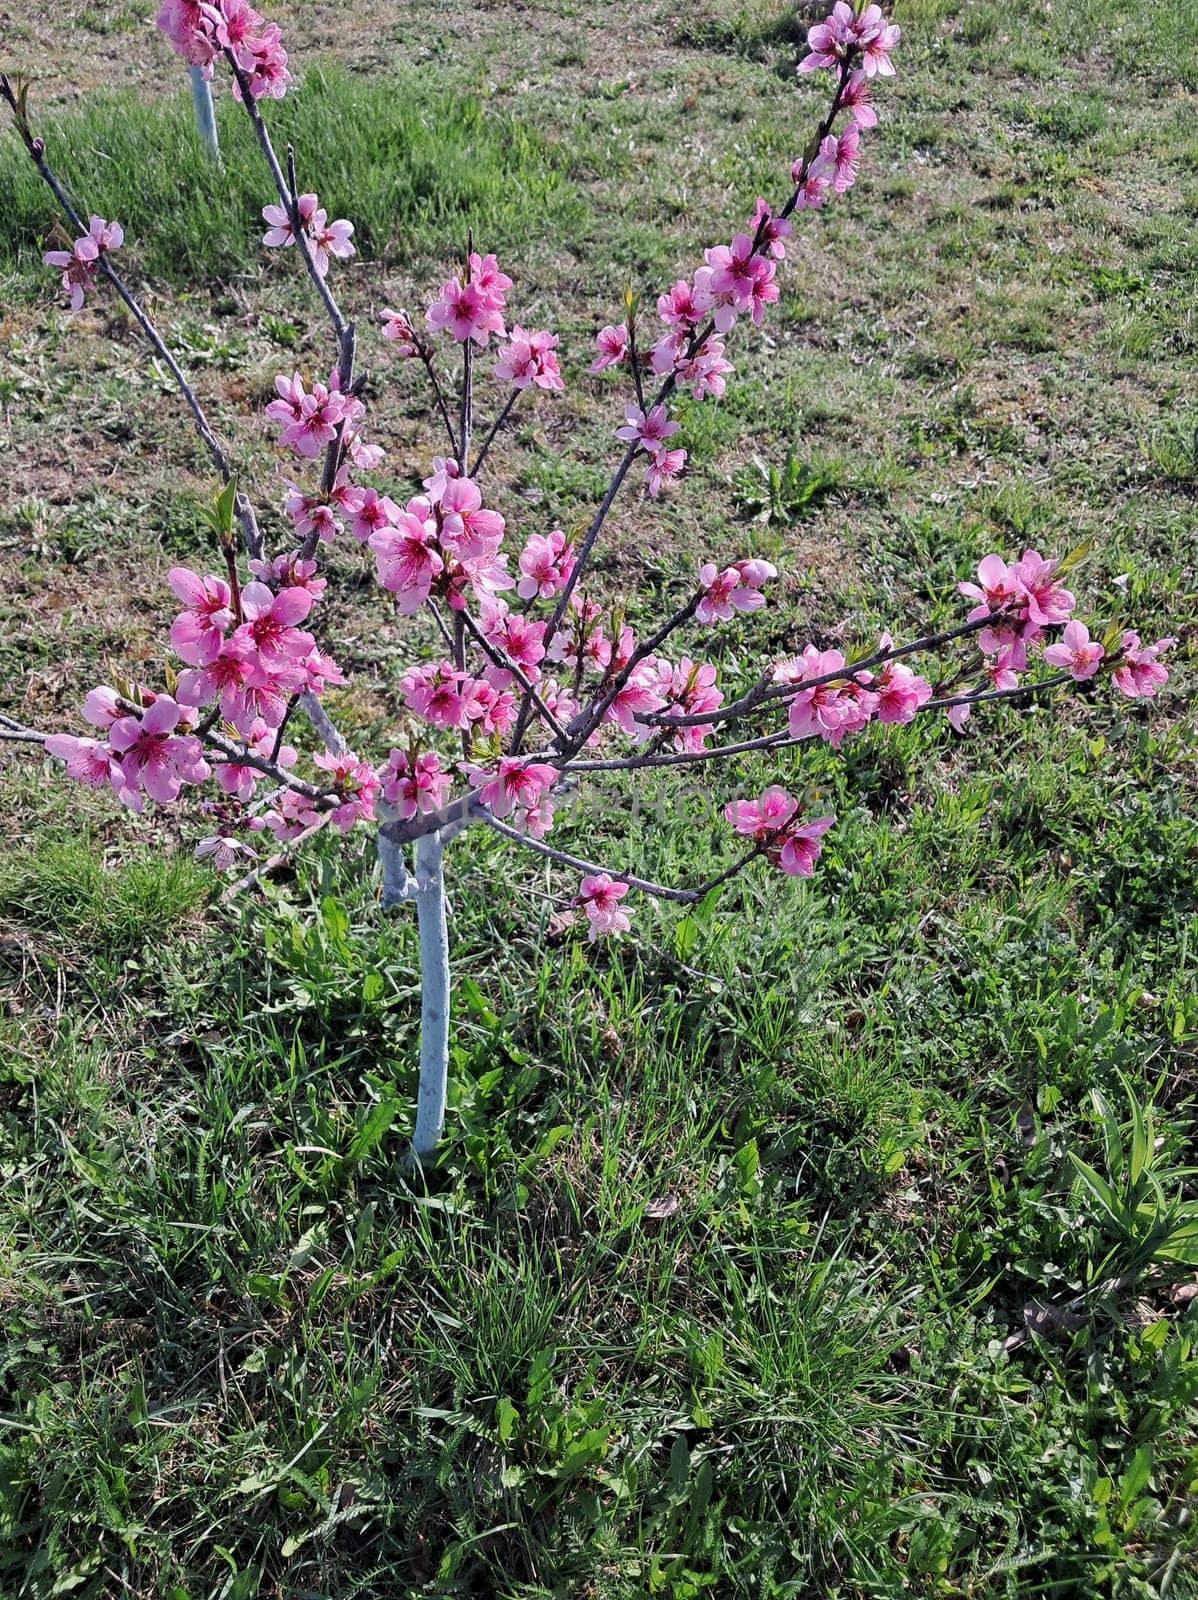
[{"x": 822, "y": 1244}]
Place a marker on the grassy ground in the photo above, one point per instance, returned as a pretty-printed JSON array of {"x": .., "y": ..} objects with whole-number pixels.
[{"x": 759, "y": 1263}]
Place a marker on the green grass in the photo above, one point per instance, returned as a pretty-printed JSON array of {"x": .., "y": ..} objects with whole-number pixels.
[
  {"x": 827, "y": 1242},
  {"x": 416, "y": 164}
]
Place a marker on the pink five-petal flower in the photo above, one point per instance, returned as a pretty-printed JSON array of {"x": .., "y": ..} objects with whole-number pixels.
[
  {"x": 1141, "y": 674},
  {"x": 415, "y": 784},
  {"x": 546, "y": 563},
  {"x": 800, "y": 849},
  {"x": 1077, "y": 653},
  {"x": 664, "y": 466},
  {"x": 152, "y": 756},
  {"x": 875, "y": 60},
  {"x": 599, "y": 896},
  {"x": 855, "y": 99},
  {"x": 271, "y": 620},
  {"x": 760, "y": 818},
  {"x": 612, "y": 345},
  {"x": 406, "y": 560},
  {"x": 88, "y": 761},
  {"x": 649, "y": 429},
  {"x": 198, "y": 633},
  {"x": 1047, "y": 603},
  {"x": 900, "y": 692}
]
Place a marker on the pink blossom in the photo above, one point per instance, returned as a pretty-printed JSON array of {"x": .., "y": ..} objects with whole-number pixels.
[
  {"x": 774, "y": 231},
  {"x": 1002, "y": 670},
  {"x": 513, "y": 788},
  {"x": 770, "y": 821},
  {"x": 88, "y": 761},
  {"x": 463, "y": 310},
  {"x": 840, "y": 157},
  {"x": 271, "y": 620},
  {"x": 900, "y": 692},
  {"x": 372, "y": 512},
  {"x": 641, "y": 695},
  {"x": 801, "y": 847},
  {"x": 357, "y": 784},
  {"x": 612, "y": 345},
  {"x": 546, "y": 563},
  {"x": 855, "y": 99},
  {"x": 736, "y": 588},
  {"x": 529, "y": 358},
  {"x": 1044, "y": 602},
  {"x": 879, "y": 39},
  {"x": 398, "y": 328},
  {"x": 188, "y": 32},
  {"x": 225, "y": 851},
  {"x": 320, "y": 672},
  {"x": 311, "y": 514},
  {"x": 830, "y": 710},
  {"x": 521, "y": 640},
  {"x": 1077, "y": 653},
  {"x": 692, "y": 691},
  {"x": 996, "y": 589},
  {"x": 294, "y": 815},
  {"x": 78, "y": 267},
  {"x": 310, "y": 420},
  {"x": 679, "y": 307},
  {"x": 828, "y": 41},
  {"x": 290, "y": 572},
  {"x": 813, "y": 183},
  {"x": 241, "y": 781},
  {"x": 1140, "y": 673},
  {"x": 487, "y": 708},
  {"x": 737, "y": 272},
  {"x": 599, "y": 897},
  {"x": 414, "y": 785},
  {"x": 434, "y": 694},
  {"x": 153, "y": 756},
  {"x": 706, "y": 370},
  {"x": 280, "y": 233},
  {"x": 198, "y": 633},
  {"x": 664, "y": 466},
  {"x": 406, "y": 560},
  {"x": 650, "y": 429},
  {"x": 325, "y": 238}
]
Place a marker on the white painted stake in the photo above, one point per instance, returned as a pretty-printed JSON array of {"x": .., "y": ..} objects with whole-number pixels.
[{"x": 434, "y": 996}]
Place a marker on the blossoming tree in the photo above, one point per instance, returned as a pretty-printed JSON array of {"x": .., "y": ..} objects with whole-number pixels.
[{"x": 536, "y": 684}]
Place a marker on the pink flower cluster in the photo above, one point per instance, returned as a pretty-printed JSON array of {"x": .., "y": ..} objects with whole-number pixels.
[
  {"x": 792, "y": 846},
  {"x": 325, "y": 238},
  {"x": 445, "y": 542},
  {"x": 312, "y": 416},
  {"x": 471, "y": 305},
  {"x": 845, "y": 36},
  {"x": 736, "y": 588},
  {"x": 81, "y": 262},
  {"x": 849, "y": 700},
  {"x": 200, "y": 32},
  {"x": 530, "y": 358},
  {"x": 414, "y": 784},
  {"x": 517, "y": 789},
  {"x": 447, "y": 698},
  {"x": 250, "y": 659},
  {"x": 149, "y": 749}
]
